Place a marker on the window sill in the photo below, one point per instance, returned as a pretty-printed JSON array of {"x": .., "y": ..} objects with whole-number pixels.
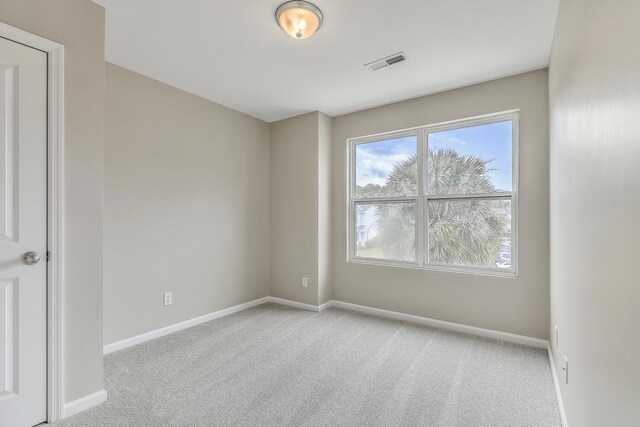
[{"x": 437, "y": 268}]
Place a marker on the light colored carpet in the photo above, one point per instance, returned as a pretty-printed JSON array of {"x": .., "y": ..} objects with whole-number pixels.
[{"x": 278, "y": 366}]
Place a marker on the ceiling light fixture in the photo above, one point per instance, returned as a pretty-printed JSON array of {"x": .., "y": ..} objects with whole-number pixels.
[{"x": 299, "y": 19}]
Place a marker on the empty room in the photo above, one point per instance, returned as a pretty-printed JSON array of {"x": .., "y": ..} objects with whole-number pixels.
[{"x": 319, "y": 213}]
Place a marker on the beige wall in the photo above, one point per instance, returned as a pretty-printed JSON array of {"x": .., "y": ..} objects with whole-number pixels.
[
  {"x": 293, "y": 208},
  {"x": 595, "y": 207},
  {"x": 300, "y": 208},
  {"x": 186, "y": 206},
  {"x": 518, "y": 306},
  {"x": 325, "y": 144},
  {"x": 79, "y": 26}
]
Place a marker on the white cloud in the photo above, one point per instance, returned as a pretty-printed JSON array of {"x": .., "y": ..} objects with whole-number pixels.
[
  {"x": 373, "y": 168},
  {"x": 446, "y": 139}
]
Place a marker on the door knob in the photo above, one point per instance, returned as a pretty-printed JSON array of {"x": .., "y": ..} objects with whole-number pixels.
[{"x": 31, "y": 258}]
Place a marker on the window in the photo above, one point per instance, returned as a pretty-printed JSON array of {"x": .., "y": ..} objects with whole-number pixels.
[{"x": 437, "y": 197}]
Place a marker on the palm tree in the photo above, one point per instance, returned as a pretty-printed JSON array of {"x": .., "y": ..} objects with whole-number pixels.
[{"x": 463, "y": 232}]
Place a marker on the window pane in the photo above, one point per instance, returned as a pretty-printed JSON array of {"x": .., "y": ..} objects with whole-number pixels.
[
  {"x": 476, "y": 159},
  {"x": 387, "y": 168},
  {"x": 471, "y": 232},
  {"x": 386, "y": 231}
]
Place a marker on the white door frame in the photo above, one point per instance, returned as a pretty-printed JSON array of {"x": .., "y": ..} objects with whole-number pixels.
[{"x": 55, "y": 213}]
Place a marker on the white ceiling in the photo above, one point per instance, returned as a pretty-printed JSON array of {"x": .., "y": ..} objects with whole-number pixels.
[{"x": 232, "y": 52}]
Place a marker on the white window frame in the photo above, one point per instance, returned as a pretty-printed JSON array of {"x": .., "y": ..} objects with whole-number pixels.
[{"x": 421, "y": 199}]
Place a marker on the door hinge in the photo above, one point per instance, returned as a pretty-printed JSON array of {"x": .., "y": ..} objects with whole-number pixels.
[{"x": 48, "y": 256}]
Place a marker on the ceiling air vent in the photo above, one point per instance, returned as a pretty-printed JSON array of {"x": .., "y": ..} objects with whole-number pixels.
[{"x": 386, "y": 61}]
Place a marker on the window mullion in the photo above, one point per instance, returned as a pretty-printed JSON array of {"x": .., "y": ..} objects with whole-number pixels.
[
  {"x": 351, "y": 230},
  {"x": 423, "y": 202},
  {"x": 352, "y": 206},
  {"x": 501, "y": 195},
  {"x": 420, "y": 224},
  {"x": 374, "y": 200}
]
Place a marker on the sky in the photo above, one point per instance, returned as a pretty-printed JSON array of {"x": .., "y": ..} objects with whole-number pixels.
[
  {"x": 491, "y": 141},
  {"x": 374, "y": 161}
]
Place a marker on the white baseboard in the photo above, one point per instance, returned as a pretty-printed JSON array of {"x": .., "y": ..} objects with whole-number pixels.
[
  {"x": 457, "y": 327},
  {"x": 472, "y": 330},
  {"x": 295, "y": 304},
  {"x": 326, "y": 305},
  {"x": 119, "y": 345},
  {"x": 84, "y": 403},
  {"x": 556, "y": 386}
]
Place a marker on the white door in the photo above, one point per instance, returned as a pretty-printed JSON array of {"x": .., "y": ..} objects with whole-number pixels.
[{"x": 23, "y": 222}]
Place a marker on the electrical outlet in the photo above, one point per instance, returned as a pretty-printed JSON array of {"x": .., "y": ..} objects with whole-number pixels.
[
  {"x": 168, "y": 298},
  {"x": 565, "y": 368},
  {"x": 304, "y": 282},
  {"x": 557, "y": 337}
]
